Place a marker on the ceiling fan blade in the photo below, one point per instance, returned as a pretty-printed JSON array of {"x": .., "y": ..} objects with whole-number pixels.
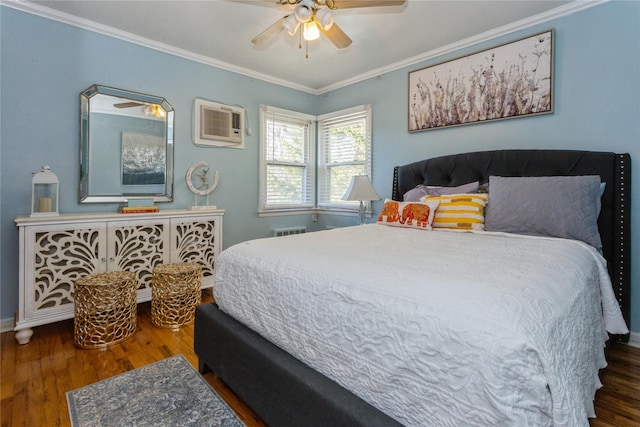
[
  {"x": 127, "y": 104},
  {"x": 267, "y": 35},
  {"x": 337, "y": 36},
  {"x": 350, "y": 4}
]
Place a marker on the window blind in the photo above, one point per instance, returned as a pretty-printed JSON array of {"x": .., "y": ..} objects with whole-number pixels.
[
  {"x": 345, "y": 150},
  {"x": 287, "y": 166}
]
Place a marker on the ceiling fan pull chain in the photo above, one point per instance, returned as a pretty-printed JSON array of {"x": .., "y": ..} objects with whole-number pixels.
[{"x": 306, "y": 45}]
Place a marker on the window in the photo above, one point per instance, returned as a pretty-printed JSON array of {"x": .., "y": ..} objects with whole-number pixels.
[
  {"x": 287, "y": 161},
  {"x": 344, "y": 149},
  {"x": 288, "y": 166}
]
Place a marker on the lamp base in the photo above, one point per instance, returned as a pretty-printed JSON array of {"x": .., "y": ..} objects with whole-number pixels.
[{"x": 361, "y": 213}]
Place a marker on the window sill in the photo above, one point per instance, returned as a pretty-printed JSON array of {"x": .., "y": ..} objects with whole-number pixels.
[
  {"x": 285, "y": 212},
  {"x": 317, "y": 211}
]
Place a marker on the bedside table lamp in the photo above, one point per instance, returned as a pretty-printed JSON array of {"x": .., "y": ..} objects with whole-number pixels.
[
  {"x": 44, "y": 193},
  {"x": 361, "y": 189}
]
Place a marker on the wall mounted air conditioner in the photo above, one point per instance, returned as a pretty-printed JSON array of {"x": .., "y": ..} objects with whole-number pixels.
[{"x": 218, "y": 125}]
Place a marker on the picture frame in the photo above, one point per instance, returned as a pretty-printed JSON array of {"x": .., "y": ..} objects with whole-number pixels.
[
  {"x": 508, "y": 81},
  {"x": 143, "y": 159}
]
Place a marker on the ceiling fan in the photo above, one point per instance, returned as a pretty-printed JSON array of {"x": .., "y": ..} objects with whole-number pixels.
[
  {"x": 128, "y": 104},
  {"x": 315, "y": 17},
  {"x": 148, "y": 109}
]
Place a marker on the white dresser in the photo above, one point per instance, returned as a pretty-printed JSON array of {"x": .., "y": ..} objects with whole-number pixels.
[{"x": 55, "y": 251}]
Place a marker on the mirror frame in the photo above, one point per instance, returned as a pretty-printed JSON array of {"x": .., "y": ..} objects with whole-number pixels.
[{"x": 84, "y": 190}]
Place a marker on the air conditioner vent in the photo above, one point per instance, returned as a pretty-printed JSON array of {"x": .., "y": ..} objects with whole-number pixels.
[
  {"x": 214, "y": 123},
  {"x": 218, "y": 125}
]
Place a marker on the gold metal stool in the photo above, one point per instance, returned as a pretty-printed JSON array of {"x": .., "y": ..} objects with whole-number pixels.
[
  {"x": 175, "y": 294},
  {"x": 105, "y": 309}
]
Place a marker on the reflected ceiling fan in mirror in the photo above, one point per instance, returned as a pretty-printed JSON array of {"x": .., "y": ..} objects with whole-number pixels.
[
  {"x": 316, "y": 17},
  {"x": 148, "y": 109},
  {"x": 127, "y": 104}
]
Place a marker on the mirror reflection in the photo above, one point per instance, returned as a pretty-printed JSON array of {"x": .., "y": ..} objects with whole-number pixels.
[{"x": 126, "y": 146}]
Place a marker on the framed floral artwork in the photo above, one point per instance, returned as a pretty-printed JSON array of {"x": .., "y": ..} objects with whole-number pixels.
[{"x": 507, "y": 81}]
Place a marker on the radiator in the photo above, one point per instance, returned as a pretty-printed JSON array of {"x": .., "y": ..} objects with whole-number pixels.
[{"x": 279, "y": 232}]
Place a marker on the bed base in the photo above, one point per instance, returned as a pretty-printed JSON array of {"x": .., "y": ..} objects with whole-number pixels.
[{"x": 265, "y": 377}]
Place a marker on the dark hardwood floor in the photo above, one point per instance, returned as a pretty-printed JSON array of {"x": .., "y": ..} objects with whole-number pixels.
[
  {"x": 36, "y": 376},
  {"x": 618, "y": 401}
]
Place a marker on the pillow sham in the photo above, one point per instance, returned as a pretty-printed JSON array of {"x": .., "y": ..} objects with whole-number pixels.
[
  {"x": 459, "y": 211},
  {"x": 420, "y": 191},
  {"x": 408, "y": 214},
  {"x": 603, "y": 186},
  {"x": 555, "y": 206}
]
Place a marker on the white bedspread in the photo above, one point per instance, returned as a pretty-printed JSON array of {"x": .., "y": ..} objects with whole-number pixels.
[{"x": 434, "y": 327}]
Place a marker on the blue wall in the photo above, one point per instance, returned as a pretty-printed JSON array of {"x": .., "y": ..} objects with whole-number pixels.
[{"x": 45, "y": 65}]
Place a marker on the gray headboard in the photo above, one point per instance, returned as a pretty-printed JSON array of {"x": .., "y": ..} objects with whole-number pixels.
[{"x": 614, "y": 169}]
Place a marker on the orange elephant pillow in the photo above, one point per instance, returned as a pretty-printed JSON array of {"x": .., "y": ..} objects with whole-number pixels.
[{"x": 408, "y": 214}]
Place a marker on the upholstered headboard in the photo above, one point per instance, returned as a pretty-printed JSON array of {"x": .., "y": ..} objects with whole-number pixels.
[{"x": 614, "y": 169}]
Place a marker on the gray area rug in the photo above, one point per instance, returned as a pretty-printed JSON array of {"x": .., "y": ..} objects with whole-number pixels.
[{"x": 166, "y": 393}]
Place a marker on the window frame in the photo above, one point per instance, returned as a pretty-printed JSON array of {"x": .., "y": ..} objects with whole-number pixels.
[
  {"x": 322, "y": 167},
  {"x": 264, "y": 209},
  {"x": 315, "y": 163}
]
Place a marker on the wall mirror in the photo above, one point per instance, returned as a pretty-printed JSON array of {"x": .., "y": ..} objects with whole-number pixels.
[{"x": 126, "y": 146}]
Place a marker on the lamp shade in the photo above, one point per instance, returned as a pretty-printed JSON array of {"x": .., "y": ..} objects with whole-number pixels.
[
  {"x": 304, "y": 11},
  {"x": 290, "y": 24},
  {"x": 360, "y": 189},
  {"x": 311, "y": 31},
  {"x": 325, "y": 18}
]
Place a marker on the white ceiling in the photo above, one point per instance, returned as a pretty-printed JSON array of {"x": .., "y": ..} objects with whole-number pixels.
[{"x": 219, "y": 32}]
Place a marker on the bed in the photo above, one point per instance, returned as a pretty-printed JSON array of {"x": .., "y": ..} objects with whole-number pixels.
[{"x": 349, "y": 334}]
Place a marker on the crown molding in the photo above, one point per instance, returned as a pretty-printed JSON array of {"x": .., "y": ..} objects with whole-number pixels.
[
  {"x": 564, "y": 10},
  {"x": 45, "y": 12},
  {"x": 65, "y": 18}
]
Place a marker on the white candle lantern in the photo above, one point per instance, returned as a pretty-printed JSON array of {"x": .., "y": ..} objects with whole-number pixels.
[{"x": 44, "y": 193}]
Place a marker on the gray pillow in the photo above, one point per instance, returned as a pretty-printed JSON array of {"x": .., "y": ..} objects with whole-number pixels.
[
  {"x": 556, "y": 206},
  {"x": 420, "y": 191}
]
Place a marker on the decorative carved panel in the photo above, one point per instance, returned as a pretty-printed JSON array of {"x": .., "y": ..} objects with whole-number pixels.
[
  {"x": 196, "y": 242},
  {"x": 60, "y": 258},
  {"x": 138, "y": 248}
]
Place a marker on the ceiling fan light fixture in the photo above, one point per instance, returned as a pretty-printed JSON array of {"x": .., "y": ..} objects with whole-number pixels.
[
  {"x": 325, "y": 18},
  {"x": 153, "y": 110},
  {"x": 311, "y": 31},
  {"x": 304, "y": 11},
  {"x": 290, "y": 24}
]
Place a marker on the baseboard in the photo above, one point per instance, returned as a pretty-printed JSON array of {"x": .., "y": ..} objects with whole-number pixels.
[
  {"x": 634, "y": 339},
  {"x": 6, "y": 325}
]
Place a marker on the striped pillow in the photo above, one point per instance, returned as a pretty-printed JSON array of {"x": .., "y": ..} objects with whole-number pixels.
[{"x": 459, "y": 211}]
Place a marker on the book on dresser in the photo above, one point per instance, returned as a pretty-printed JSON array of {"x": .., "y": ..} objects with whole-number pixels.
[{"x": 138, "y": 209}]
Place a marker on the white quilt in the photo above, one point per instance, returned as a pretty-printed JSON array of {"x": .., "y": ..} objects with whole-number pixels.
[{"x": 434, "y": 327}]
